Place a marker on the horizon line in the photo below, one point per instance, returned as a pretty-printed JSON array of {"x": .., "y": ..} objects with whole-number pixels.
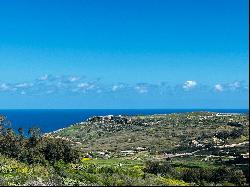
[{"x": 124, "y": 108}]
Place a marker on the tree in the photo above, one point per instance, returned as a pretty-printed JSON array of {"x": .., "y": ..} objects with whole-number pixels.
[
  {"x": 9, "y": 144},
  {"x": 58, "y": 149},
  {"x": 156, "y": 167},
  {"x": 20, "y": 134},
  {"x": 35, "y": 135},
  {"x": 4, "y": 124}
]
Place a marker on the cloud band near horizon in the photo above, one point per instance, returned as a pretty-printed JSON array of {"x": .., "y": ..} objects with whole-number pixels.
[{"x": 51, "y": 84}]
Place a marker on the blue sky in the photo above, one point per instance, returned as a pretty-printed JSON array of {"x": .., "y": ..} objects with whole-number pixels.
[{"x": 124, "y": 54}]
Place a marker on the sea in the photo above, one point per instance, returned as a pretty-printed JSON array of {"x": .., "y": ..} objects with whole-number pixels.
[{"x": 49, "y": 120}]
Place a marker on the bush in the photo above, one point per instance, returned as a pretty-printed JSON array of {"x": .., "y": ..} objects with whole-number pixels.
[
  {"x": 36, "y": 149},
  {"x": 158, "y": 167}
]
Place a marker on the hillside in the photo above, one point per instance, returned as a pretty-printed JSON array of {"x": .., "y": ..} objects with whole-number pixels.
[
  {"x": 158, "y": 134},
  {"x": 197, "y": 148}
]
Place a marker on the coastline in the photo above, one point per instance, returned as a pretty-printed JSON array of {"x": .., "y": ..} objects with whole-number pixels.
[{"x": 50, "y": 120}]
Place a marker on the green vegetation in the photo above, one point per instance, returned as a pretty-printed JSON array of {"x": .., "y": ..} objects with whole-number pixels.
[{"x": 188, "y": 149}]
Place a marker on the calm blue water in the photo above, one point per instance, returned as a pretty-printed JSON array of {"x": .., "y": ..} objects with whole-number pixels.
[{"x": 50, "y": 120}]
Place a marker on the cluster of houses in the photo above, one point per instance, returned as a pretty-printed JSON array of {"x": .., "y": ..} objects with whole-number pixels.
[
  {"x": 105, "y": 154},
  {"x": 109, "y": 119},
  {"x": 133, "y": 151}
]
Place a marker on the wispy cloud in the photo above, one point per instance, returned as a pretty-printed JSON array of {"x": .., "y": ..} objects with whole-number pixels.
[
  {"x": 85, "y": 86},
  {"x": 73, "y": 79},
  {"x": 235, "y": 85},
  {"x": 189, "y": 85},
  {"x": 7, "y": 87},
  {"x": 218, "y": 88},
  {"x": 118, "y": 87},
  {"x": 44, "y": 77},
  {"x": 4, "y": 87},
  {"x": 141, "y": 89},
  {"x": 144, "y": 88},
  {"x": 22, "y": 92}
]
